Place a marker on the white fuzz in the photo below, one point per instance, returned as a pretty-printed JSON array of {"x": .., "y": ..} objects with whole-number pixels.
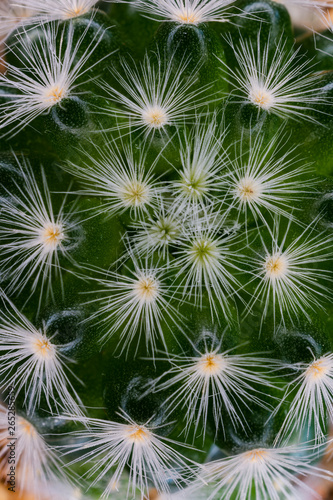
[
  {"x": 12, "y": 16},
  {"x": 312, "y": 393},
  {"x": 215, "y": 378},
  {"x": 32, "y": 363},
  {"x": 147, "y": 455},
  {"x": 120, "y": 177},
  {"x": 284, "y": 85},
  {"x": 56, "y": 10},
  {"x": 186, "y": 11},
  {"x": 15, "y": 13},
  {"x": 207, "y": 262},
  {"x": 136, "y": 303},
  {"x": 264, "y": 474},
  {"x": 264, "y": 179},
  {"x": 32, "y": 236},
  {"x": 58, "y": 490},
  {"x": 36, "y": 463},
  {"x": 203, "y": 161},
  {"x": 288, "y": 274},
  {"x": 179, "y": 495},
  {"x": 49, "y": 74},
  {"x": 155, "y": 94}
]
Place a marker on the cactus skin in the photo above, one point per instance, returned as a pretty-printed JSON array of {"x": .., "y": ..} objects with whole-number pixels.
[{"x": 166, "y": 249}]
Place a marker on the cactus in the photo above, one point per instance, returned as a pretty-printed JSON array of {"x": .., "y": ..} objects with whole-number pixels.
[{"x": 166, "y": 250}]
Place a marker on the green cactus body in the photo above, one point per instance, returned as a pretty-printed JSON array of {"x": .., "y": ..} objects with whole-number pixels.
[{"x": 166, "y": 250}]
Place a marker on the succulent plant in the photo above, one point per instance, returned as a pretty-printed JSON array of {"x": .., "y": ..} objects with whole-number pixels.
[{"x": 166, "y": 249}]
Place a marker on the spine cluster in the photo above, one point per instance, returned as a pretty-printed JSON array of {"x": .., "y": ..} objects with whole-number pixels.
[{"x": 166, "y": 249}]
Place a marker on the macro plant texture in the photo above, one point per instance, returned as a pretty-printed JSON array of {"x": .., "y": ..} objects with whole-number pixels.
[{"x": 166, "y": 249}]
